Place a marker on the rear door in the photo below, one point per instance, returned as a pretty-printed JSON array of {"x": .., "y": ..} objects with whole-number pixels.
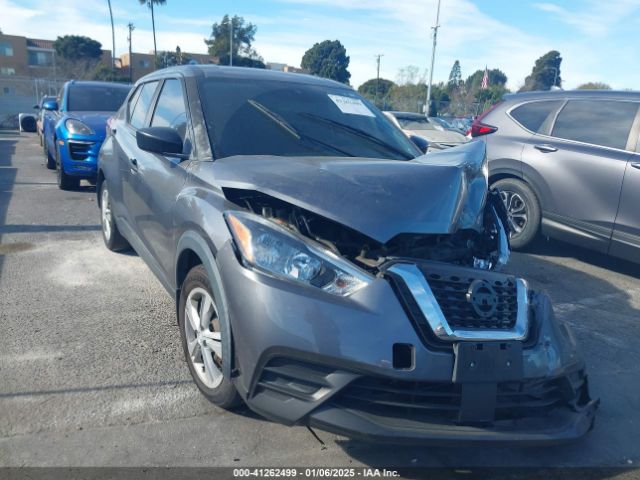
[
  {"x": 160, "y": 178},
  {"x": 625, "y": 241},
  {"x": 577, "y": 164}
]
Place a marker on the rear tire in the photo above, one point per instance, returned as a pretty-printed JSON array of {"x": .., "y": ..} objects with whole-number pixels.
[
  {"x": 65, "y": 182},
  {"x": 112, "y": 237},
  {"x": 202, "y": 339},
  {"x": 523, "y": 210}
]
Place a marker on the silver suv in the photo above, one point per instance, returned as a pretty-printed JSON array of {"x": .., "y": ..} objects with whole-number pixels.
[{"x": 567, "y": 163}]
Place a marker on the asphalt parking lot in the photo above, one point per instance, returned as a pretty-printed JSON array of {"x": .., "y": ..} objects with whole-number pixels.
[{"x": 92, "y": 373}]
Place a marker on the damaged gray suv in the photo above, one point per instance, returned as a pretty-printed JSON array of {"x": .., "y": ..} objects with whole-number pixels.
[{"x": 325, "y": 272}]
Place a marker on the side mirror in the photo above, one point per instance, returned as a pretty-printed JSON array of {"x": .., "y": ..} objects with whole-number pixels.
[
  {"x": 161, "y": 140},
  {"x": 50, "y": 105},
  {"x": 420, "y": 142}
]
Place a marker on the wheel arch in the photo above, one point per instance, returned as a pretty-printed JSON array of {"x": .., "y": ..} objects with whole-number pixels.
[{"x": 194, "y": 250}]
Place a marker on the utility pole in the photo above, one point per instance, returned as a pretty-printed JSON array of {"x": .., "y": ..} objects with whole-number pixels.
[
  {"x": 433, "y": 58},
  {"x": 131, "y": 29},
  {"x": 230, "y": 41},
  {"x": 377, "y": 77}
]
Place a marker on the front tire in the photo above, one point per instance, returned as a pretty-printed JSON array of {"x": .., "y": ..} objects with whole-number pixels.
[
  {"x": 523, "y": 211},
  {"x": 51, "y": 162},
  {"x": 112, "y": 237},
  {"x": 65, "y": 182},
  {"x": 202, "y": 339}
]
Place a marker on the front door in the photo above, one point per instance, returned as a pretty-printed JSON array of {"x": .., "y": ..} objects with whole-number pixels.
[{"x": 625, "y": 241}]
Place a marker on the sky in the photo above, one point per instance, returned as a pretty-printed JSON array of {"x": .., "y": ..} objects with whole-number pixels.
[{"x": 597, "y": 38}]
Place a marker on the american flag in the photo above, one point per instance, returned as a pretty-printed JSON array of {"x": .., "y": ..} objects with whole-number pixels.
[{"x": 485, "y": 79}]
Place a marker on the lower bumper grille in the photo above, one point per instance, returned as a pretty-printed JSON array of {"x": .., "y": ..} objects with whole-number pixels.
[{"x": 442, "y": 402}]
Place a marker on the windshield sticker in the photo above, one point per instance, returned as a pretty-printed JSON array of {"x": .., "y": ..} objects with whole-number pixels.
[{"x": 352, "y": 106}]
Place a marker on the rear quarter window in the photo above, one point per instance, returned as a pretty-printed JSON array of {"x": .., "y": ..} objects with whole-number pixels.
[{"x": 534, "y": 115}]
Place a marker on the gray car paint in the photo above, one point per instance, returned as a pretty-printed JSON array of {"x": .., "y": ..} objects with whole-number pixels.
[
  {"x": 356, "y": 331},
  {"x": 390, "y": 189},
  {"x": 579, "y": 186}
]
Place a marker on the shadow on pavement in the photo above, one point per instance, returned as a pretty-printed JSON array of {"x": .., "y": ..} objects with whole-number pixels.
[{"x": 8, "y": 141}]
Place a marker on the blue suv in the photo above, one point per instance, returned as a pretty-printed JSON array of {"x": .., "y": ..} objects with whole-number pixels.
[{"x": 74, "y": 127}]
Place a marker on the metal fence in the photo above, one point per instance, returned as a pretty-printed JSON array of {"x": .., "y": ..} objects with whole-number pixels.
[{"x": 20, "y": 94}]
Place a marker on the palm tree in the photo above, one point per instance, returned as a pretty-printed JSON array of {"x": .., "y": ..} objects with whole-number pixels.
[
  {"x": 150, "y": 4},
  {"x": 113, "y": 39}
]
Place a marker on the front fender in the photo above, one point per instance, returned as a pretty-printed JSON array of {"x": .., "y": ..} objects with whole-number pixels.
[{"x": 191, "y": 240}]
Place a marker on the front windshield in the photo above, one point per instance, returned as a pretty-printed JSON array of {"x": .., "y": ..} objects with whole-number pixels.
[
  {"x": 96, "y": 98},
  {"x": 415, "y": 123},
  {"x": 266, "y": 117}
]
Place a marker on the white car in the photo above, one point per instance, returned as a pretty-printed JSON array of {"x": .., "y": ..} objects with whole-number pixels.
[{"x": 419, "y": 125}]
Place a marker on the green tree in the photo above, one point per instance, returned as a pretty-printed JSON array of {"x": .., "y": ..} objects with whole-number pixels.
[
  {"x": 76, "y": 47},
  {"x": 150, "y": 4},
  {"x": 77, "y": 56},
  {"x": 243, "y": 35},
  {"x": 327, "y": 59},
  {"x": 594, "y": 86},
  {"x": 105, "y": 73},
  {"x": 455, "y": 77},
  {"x": 474, "y": 81},
  {"x": 545, "y": 72},
  {"x": 376, "y": 90},
  {"x": 439, "y": 99}
]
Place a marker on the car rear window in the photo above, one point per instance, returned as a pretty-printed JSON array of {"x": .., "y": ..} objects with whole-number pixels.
[
  {"x": 84, "y": 98},
  {"x": 532, "y": 115},
  {"x": 598, "y": 122}
]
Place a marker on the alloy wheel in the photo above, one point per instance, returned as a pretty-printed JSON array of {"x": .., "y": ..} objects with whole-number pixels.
[
  {"x": 517, "y": 212},
  {"x": 106, "y": 214},
  {"x": 202, "y": 331}
]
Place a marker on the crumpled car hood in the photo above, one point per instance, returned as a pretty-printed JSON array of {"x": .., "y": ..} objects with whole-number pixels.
[{"x": 433, "y": 194}]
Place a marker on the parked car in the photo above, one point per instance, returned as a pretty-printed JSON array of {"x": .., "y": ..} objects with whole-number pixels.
[
  {"x": 568, "y": 166},
  {"x": 445, "y": 125},
  {"x": 75, "y": 127},
  {"x": 325, "y": 272},
  {"x": 40, "y": 114},
  {"x": 419, "y": 125},
  {"x": 461, "y": 123}
]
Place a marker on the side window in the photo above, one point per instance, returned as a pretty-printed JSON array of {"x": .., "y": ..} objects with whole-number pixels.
[
  {"x": 534, "y": 115},
  {"x": 170, "y": 109},
  {"x": 599, "y": 122},
  {"x": 143, "y": 103},
  {"x": 132, "y": 102}
]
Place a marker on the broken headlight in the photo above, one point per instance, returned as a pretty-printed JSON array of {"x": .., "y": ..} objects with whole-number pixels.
[{"x": 280, "y": 252}]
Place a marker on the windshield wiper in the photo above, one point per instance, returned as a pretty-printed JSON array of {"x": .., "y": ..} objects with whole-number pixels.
[
  {"x": 287, "y": 127},
  {"x": 360, "y": 133}
]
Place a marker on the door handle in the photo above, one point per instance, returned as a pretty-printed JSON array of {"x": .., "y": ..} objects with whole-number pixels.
[
  {"x": 134, "y": 164},
  {"x": 545, "y": 148},
  {"x": 636, "y": 165}
]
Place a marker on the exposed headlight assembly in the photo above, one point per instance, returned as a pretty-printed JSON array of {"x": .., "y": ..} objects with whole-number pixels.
[
  {"x": 275, "y": 250},
  {"x": 76, "y": 126}
]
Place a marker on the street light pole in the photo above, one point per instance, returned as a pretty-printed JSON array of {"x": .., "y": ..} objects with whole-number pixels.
[
  {"x": 433, "y": 58},
  {"x": 230, "y": 41},
  {"x": 131, "y": 28},
  {"x": 377, "y": 78}
]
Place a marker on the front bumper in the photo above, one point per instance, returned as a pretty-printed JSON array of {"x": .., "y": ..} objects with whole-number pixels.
[
  {"x": 79, "y": 156},
  {"x": 361, "y": 367}
]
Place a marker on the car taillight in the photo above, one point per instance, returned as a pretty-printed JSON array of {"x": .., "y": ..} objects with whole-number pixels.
[{"x": 479, "y": 128}]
